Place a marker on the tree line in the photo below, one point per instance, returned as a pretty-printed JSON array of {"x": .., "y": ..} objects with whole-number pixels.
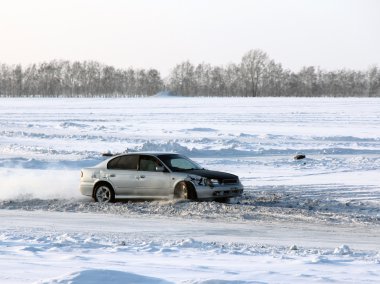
[
  {"x": 88, "y": 79},
  {"x": 256, "y": 75}
]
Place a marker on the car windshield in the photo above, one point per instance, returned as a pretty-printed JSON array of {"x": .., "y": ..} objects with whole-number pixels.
[{"x": 178, "y": 163}]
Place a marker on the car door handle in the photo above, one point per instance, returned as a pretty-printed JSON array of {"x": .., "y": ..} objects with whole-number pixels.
[
  {"x": 112, "y": 175},
  {"x": 140, "y": 177}
]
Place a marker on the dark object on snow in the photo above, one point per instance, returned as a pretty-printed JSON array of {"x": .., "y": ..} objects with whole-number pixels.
[{"x": 299, "y": 157}]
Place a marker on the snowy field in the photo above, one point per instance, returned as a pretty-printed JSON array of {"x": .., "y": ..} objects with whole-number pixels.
[{"x": 314, "y": 220}]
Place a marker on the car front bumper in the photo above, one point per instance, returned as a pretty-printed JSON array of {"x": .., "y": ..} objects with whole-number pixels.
[{"x": 207, "y": 192}]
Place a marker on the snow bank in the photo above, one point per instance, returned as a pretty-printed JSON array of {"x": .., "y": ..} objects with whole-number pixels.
[
  {"x": 92, "y": 276},
  {"x": 88, "y": 248},
  {"x": 255, "y": 205}
]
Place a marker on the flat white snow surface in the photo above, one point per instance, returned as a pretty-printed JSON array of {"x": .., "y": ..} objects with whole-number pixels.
[{"x": 315, "y": 220}]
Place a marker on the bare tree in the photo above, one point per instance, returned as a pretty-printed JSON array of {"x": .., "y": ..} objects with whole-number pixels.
[
  {"x": 373, "y": 81},
  {"x": 252, "y": 66},
  {"x": 182, "y": 80}
]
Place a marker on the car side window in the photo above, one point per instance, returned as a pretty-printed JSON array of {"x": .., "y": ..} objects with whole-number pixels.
[
  {"x": 148, "y": 163},
  {"x": 127, "y": 162}
]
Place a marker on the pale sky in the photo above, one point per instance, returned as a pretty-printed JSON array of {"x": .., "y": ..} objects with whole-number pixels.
[{"x": 331, "y": 34}]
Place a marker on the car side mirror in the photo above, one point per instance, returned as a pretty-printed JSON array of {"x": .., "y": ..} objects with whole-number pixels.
[{"x": 160, "y": 169}]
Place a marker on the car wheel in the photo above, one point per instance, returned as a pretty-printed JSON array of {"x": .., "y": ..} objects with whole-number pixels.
[
  {"x": 104, "y": 194},
  {"x": 184, "y": 191}
]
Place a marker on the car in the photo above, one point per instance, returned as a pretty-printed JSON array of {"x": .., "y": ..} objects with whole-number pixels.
[{"x": 157, "y": 176}]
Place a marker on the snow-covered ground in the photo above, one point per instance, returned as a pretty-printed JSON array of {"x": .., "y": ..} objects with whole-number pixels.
[{"x": 311, "y": 220}]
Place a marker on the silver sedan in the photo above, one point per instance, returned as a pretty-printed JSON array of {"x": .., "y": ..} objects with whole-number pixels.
[{"x": 157, "y": 176}]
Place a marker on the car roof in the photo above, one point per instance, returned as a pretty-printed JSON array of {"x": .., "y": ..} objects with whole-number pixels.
[
  {"x": 144, "y": 153},
  {"x": 149, "y": 153}
]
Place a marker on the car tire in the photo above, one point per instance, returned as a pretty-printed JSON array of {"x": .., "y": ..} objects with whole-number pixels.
[
  {"x": 104, "y": 194},
  {"x": 184, "y": 191}
]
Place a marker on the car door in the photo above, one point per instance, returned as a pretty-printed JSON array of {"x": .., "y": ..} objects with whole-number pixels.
[
  {"x": 122, "y": 172},
  {"x": 153, "y": 183}
]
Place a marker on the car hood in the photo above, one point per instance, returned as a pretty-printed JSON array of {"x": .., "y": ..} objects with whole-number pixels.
[{"x": 211, "y": 174}]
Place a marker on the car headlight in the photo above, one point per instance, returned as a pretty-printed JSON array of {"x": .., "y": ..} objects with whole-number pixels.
[{"x": 211, "y": 182}]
